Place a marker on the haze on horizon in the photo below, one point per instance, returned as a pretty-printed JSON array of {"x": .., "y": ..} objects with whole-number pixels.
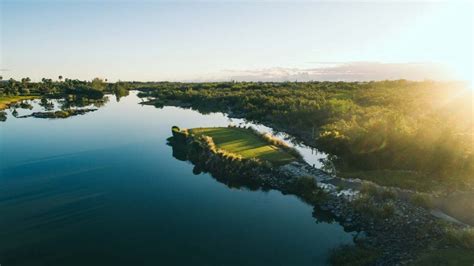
[{"x": 211, "y": 41}]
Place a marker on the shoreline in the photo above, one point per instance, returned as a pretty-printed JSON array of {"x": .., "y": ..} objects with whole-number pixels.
[
  {"x": 440, "y": 198},
  {"x": 392, "y": 226},
  {"x": 6, "y": 102}
]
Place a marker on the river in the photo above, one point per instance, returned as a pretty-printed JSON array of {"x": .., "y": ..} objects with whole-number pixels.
[{"x": 104, "y": 189}]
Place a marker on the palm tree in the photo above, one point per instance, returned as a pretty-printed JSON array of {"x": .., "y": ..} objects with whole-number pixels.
[{"x": 60, "y": 77}]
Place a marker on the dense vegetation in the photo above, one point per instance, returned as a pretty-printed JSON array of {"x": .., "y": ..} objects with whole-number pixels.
[
  {"x": 7, "y": 100},
  {"x": 75, "y": 90},
  {"x": 403, "y": 132},
  {"x": 398, "y": 133}
]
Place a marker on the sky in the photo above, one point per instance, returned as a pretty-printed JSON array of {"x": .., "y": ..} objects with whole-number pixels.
[{"x": 213, "y": 41}]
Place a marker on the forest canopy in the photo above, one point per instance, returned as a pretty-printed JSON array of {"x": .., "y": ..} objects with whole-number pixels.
[{"x": 423, "y": 129}]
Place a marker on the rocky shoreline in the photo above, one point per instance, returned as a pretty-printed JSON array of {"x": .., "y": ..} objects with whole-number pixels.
[{"x": 392, "y": 226}]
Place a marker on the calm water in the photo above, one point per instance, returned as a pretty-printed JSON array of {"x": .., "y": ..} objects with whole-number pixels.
[{"x": 104, "y": 189}]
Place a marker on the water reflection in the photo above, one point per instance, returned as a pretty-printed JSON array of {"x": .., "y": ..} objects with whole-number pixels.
[
  {"x": 181, "y": 152},
  {"x": 103, "y": 189},
  {"x": 47, "y": 106}
]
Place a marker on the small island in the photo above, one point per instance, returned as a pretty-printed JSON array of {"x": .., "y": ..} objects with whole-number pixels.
[
  {"x": 234, "y": 155},
  {"x": 248, "y": 144},
  {"x": 60, "y": 113}
]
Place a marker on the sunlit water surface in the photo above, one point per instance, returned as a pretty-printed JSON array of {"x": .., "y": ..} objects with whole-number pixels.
[{"x": 104, "y": 189}]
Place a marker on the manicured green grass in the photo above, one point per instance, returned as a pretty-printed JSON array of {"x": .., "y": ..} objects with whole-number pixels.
[
  {"x": 245, "y": 143},
  {"x": 458, "y": 257},
  {"x": 5, "y": 100}
]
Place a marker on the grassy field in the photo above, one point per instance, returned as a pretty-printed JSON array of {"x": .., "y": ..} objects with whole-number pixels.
[
  {"x": 5, "y": 100},
  {"x": 244, "y": 142}
]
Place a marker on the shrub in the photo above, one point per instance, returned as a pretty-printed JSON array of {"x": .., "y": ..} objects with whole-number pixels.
[
  {"x": 386, "y": 194},
  {"x": 175, "y": 129},
  {"x": 388, "y": 210},
  {"x": 369, "y": 189},
  {"x": 365, "y": 206},
  {"x": 422, "y": 200},
  {"x": 178, "y": 134},
  {"x": 378, "y": 193},
  {"x": 305, "y": 185},
  {"x": 306, "y": 188},
  {"x": 461, "y": 237}
]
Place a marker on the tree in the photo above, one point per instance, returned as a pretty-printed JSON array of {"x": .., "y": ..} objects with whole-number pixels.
[
  {"x": 98, "y": 84},
  {"x": 60, "y": 78},
  {"x": 24, "y": 87}
]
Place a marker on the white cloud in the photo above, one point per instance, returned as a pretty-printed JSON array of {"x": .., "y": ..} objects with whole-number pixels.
[{"x": 355, "y": 71}]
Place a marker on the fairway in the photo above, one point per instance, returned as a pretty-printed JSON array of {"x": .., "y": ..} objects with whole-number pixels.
[{"x": 244, "y": 142}]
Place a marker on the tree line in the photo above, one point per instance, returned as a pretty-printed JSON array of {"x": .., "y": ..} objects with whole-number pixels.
[
  {"x": 405, "y": 126},
  {"x": 94, "y": 89},
  {"x": 425, "y": 128}
]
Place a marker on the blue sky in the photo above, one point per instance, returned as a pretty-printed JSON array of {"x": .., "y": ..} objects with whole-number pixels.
[{"x": 156, "y": 40}]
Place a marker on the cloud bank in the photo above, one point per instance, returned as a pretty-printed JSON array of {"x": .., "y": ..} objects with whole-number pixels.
[{"x": 356, "y": 71}]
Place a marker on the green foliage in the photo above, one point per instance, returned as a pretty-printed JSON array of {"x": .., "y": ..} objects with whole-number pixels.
[
  {"x": 413, "y": 129},
  {"x": 179, "y": 135},
  {"x": 381, "y": 193},
  {"x": 94, "y": 89},
  {"x": 306, "y": 188},
  {"x": 422, "y": 200},
  {"x": 369, "y": 189},
  {"x": 120, "y": 89},
  {"x": 61, "y": 113},
  {"x": 461, "y": 237},
  {"x": 5, "y": 101},
  {"x": 305, "y": 185},
  {"x": 388, "y": 210},
  {"x": 98, "y": 84},
  {"x": 3, "y": 116},
  {"x": 446, "y": 257},
  {"x": 366, "y": 206},
  {"x": 396, "y": 178},
  {"x": 353, "y": 256}
]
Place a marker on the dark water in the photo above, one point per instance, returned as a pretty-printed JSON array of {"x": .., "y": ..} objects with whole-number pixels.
[{"x": 104, "y": 189}]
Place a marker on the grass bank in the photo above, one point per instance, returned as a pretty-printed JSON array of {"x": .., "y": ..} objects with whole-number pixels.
[
  {"x": 246, "y": 143},
  {"x": 7, "y": 100}
]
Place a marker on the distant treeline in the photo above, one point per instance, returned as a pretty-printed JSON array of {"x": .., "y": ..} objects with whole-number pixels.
[
  {"x": 415, "y": 128},
  {"x": 94, "y": 89},
  {"x": 424, "y": 127}
]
